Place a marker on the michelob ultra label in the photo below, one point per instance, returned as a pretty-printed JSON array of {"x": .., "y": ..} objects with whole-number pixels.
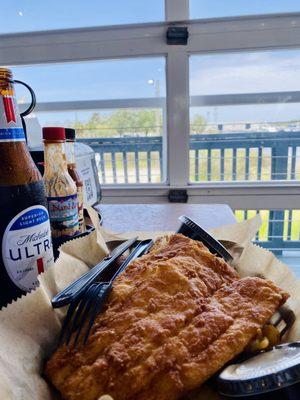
[
  {"x": 26, "y": 247},
  {"x": 10, "y": 121}
]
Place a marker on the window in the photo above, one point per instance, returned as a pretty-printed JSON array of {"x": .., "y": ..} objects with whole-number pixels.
[
  {"x": 244, "y": 117},
  {"x": 116, "y": 106},
  {"x": 127, "y": 92},
  {"x": 36, "y": 15},
  {"x": 127, "y": 142},
  {"x": 96, "y": 80},
  {"x": 229, "y": 8}
]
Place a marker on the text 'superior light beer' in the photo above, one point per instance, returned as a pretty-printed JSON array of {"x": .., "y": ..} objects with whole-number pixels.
[{"x": 25, "y": 235}]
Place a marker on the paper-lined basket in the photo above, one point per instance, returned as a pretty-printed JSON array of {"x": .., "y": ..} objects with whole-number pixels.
[{"x": 29, "y": 328}]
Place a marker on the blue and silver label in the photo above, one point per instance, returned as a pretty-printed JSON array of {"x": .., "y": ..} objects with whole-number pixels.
[
  {"x": 27, "y": 248},
  {"x": 12, "y": 135},
  {"x": 10, "y": 121}
]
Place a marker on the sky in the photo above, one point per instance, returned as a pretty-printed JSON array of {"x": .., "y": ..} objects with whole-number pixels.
[
  {"x": 92, "y": 80},
  {"x": 33, "y": 15},
  {"x": 253, "y": 72},
  {"x": 228, "y": 8},
  {"x": 211, "y": 74}
]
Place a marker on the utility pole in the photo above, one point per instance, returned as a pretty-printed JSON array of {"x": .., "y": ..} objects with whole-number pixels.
[{"x": 156, "y": 84}]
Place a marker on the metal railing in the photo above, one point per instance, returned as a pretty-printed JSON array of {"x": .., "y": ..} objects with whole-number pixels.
[
  {"x": 128, "y": 159},
  {"x": 256, "y": 156},
  {"x": 246, "y": 156},
  {"x": 280, "y": 229}
]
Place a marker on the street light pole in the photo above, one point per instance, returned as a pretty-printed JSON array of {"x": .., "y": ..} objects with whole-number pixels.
[{"x": 156, "y": 84}]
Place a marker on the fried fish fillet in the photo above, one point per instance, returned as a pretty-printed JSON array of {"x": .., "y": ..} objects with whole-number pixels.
[{"x": 174, "y": 318}]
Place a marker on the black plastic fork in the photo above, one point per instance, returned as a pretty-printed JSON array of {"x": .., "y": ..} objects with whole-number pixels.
[
  {"x": 83, "y": 311},
  {"x": 77, "y": 288}
]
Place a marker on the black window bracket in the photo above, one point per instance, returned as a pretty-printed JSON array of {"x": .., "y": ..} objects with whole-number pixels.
[{"x": 177, "y": 35}]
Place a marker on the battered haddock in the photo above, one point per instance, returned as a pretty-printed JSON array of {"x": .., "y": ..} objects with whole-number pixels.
[{"x": 174, "y": 318}]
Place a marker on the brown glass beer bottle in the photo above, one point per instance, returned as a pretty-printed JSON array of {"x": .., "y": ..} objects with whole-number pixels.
[{"x": 25, "y": 235}]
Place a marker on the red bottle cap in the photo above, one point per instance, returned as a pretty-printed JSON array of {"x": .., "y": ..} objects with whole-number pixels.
[{"x": 54, "y": 133}]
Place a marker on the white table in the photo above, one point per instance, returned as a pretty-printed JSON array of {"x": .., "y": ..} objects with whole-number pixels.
[{"x": 162, "y": 217}]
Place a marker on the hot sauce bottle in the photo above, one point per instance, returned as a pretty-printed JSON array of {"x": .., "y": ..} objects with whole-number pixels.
[
  {"x": 74, "y": 173},
  {"x": 25, "y": 237},
  {"x": 60, "y": 188}
]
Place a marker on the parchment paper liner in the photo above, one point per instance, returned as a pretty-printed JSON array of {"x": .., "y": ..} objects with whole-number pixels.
[{"x": 29, "y": 327}]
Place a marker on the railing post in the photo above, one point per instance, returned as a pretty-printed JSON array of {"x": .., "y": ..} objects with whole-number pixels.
[
  {"x": 137, "y": 167},
  {"x": 125, "y": 166},
  {"x": 197, "y": 166},
  {"x": 102, "y": 164},
  {"x": 234, "y": 174},
  {"x": 114, "y": 167},
  {"x": 276, "y": 226},
  {"x": 279, "y": 167}
]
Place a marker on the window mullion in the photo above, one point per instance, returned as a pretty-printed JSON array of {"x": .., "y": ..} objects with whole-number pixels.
[
  {"x": 178, "y": 117},
  {"x": 177, "y": 10}
]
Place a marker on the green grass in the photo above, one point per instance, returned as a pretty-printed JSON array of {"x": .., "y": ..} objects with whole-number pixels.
[
  {"x": 215, "y": 158},
  {"x": 131, "y": 169},
  {"x": 265, "y": 216}
]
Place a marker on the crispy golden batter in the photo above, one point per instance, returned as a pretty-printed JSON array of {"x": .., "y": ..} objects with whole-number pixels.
[{"x": 174, "y": 318}]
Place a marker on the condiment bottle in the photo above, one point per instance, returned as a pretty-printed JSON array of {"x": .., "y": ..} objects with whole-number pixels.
[
  {"x": 25, "y": 237},
  {"x": 74, "y": 173},
  {"x": 60, "y": 188}
]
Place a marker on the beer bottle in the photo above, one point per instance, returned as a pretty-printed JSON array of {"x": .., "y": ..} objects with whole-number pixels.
[
  {"x": 74, "y": 173},
  {"x": 25, "y": 235}
]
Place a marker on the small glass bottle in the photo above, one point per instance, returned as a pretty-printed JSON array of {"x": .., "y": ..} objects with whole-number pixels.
[
  {"x": 60, "y": 188},
  {"x": 75, "y": 174}
]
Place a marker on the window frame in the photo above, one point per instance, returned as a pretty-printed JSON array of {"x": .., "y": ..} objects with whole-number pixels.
[{"x": 206, "y": 36}]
